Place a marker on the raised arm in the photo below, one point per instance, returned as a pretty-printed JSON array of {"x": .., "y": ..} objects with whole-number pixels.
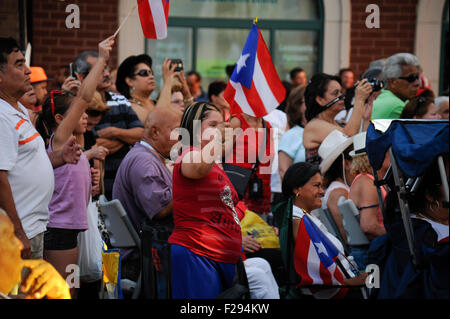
[
  {"x": 362, "y": 92},
  {"x": 168, "y": 74},
  {"x": 85, "y": 95}
]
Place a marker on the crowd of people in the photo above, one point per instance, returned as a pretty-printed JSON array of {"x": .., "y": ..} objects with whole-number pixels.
[{"x": 100, "y": 133}]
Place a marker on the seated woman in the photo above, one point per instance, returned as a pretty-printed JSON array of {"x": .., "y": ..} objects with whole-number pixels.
[
  {"x": 335, "y": 169},
  {"x": 421, "y": 107},
  {"x": 364, "y": 195},
  {"x": 318, "y": 258},
  {"x": 324, "y": 100},
  {"x": 206, "y": 239}
]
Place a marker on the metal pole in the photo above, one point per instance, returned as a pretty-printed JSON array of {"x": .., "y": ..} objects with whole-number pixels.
[
  {"x": 443, "y": 176},
  {"x": 404, "y": 208}
]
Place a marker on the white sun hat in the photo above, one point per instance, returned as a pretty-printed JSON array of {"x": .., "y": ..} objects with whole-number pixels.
[
  {"x": 332, "y": 146},
  {"x": 359, "y": 144}
]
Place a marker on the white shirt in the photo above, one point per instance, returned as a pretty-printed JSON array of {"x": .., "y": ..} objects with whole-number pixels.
[
  {"x": 440, "y": 229},
  {"x": 30, "y": 173},
  {"x": 278, "y": 120}
]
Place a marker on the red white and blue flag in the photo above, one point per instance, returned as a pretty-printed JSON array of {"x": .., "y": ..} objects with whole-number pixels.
[
  {"x": 154, "y": 15},
  {"x": 254, "y": 87},
  {"x": 315, "y": 259}
]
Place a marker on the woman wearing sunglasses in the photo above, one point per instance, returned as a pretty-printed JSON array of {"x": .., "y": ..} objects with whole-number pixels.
[
  {"x": 63, "y": 116},
  {"x": 136, "y": 82},
  {"x": 324, "y": 100}
]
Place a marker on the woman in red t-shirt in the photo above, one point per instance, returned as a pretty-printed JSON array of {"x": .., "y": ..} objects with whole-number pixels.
[
  {"x": 247, "y": 147},
  {"x": 206, "y": 240}
]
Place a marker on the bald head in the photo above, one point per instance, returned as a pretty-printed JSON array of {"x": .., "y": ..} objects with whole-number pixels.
[{"x": 158, "y": 126}]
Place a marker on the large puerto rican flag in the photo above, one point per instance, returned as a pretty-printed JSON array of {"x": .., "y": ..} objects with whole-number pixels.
[
  {"x": 154, "y": 15},
  {"x": 315, "y": 259},
  {"x": 254, "y": 87}
]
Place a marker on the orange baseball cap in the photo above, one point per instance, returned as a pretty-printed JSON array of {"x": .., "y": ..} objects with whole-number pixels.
[{"x": 38, "y": 74}]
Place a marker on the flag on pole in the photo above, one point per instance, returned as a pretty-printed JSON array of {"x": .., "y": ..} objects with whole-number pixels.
[
  {"x": 254, "y": 87},
  {"x": 315, "y": 258},
  {"x": 154, "y": 15}
]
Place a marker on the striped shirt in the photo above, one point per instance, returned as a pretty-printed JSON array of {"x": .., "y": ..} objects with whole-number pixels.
[{"x": 122, "y": 116}]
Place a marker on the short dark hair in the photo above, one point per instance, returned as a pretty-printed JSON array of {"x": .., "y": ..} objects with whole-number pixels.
[
  {"x": 418, "y": 106},
  {"x": 192, "y": 72},
  {"x": 215, "y": 88},
  {"x": 294, "y": 72},
  {"x": 7, "y": 45},
  {"x": 317, "y": 86},
  {"x": 343, "y": 70},
  {"x": 229, "y": 69},
  {"x": 297, "y": 175},
  {"x": 127, "y": 69},
  {"x": 81, "y": 65}
]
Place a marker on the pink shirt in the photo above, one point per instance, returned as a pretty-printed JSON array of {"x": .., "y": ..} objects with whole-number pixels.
[{"x": 68, "y": 207}]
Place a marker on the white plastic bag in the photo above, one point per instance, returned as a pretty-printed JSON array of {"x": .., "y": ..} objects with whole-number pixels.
[{"x": 90, "y": 245}]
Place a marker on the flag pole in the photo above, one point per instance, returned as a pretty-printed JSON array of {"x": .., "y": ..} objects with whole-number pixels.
[
  {"x": 124, "y": 20},
  {"x": 255, "y": 20}
]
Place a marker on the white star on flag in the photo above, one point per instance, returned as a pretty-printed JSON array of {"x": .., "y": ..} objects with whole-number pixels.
[
  {"x": 321, "y": 248},
  {"x": 241, "y": 61}
]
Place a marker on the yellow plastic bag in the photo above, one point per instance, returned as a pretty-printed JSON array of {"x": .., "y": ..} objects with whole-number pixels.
[
  {"x": 111, "y": 264},
  {"x": 254, "y": 225}
]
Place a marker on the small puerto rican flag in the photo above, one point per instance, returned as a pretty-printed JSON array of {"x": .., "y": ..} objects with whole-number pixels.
[
  {"x": 154, "y": 15},
  {"x": 254, "y": 87}
]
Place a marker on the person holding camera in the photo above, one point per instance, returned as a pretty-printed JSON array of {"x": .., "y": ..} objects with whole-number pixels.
[{"x": 324, "y": 100}]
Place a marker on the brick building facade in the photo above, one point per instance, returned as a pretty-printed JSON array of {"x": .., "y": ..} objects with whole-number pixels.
[{"x": 54, "y": 44}]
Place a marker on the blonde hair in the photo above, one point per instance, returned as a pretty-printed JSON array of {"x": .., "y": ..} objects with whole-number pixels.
[
  {"x": 361, "y": 164},
  {"x": 97, "y": 103}
]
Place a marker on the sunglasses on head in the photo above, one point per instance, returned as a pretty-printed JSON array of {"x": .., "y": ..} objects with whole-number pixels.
[
  {"x": 144, "y": 73},
  {"x": 52, "y": 100},
  {"x": 410, "y": 78}
]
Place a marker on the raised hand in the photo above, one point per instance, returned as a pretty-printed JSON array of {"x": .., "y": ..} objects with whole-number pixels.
[{"x": 105, "y": 48}]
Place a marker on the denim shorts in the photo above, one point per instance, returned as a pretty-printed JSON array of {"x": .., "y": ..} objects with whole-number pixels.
[{"x": 60, "y": 239}]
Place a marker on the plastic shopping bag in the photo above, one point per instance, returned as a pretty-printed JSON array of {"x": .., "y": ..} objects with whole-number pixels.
[
  {"x": 254, "y": 225},
  {"x": 90, "y": 245}
]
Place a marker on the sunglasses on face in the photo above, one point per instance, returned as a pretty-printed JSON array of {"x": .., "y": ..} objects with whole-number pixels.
[
  {"x": 410, "y": 78},
  {"x": 144, "y": 73}
]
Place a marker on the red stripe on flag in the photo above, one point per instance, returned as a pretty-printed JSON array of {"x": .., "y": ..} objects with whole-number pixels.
[
  {"x": 301, "y": 252},
  {"x": 325, "y": 275},
  {"x": 254, "y": 101},
  {"x": 146, "y": 18},
  {"x": 228, "y": 95},
  {"x": 269, "y": 70}
]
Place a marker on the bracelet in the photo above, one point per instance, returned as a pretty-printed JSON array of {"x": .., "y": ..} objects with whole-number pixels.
[{"x": 189, "y": 100}]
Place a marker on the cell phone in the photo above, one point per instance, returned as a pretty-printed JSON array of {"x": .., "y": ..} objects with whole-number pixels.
[
  {"x": 72, "y": 71},
  {"x": 178, "y": 63}
]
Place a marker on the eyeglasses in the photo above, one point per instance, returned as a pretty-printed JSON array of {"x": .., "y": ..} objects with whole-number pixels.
[
  {"x": 52, "y": 100},
  {"x": 410, "y": 78},
  {"x": 144, "y": 73}
]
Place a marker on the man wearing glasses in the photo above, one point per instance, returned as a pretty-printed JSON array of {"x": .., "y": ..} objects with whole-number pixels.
[{"x": 401, "y": 74}]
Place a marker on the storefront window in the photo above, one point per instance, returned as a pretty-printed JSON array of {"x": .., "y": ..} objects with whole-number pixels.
[{"x": 208, "y": 35}]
